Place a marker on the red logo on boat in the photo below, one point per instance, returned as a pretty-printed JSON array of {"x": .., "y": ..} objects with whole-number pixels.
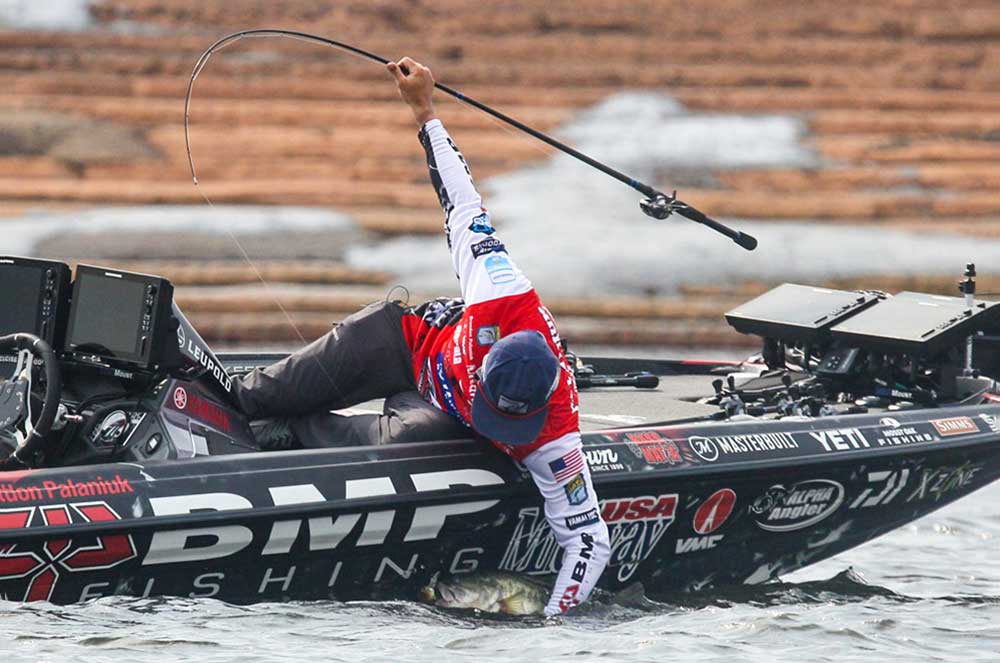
[
  {"x": 180, "y": 398},
  {"x": 42, "y": 565},
  {"x": 645, "y": 508},
  {"x": 955, "y": 426},
  {"x": 653, "y": 447},
  {"x": 714, "y": 511}
]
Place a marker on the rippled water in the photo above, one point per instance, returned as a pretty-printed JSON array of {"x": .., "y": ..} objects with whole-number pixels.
[{"x": 927, "y": 592}]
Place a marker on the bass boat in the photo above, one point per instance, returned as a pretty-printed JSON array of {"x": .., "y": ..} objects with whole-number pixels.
[{"x": 134, "y": 474}]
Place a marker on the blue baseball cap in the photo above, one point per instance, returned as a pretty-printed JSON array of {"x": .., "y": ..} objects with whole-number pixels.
[{"x": 518, "y": 376}]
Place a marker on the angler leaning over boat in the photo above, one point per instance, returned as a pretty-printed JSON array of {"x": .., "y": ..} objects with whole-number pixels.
[{"x": 490, "y": 361}]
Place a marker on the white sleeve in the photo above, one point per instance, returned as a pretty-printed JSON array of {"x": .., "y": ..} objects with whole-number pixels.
[
  {"x": 574, "y": 514},
  {"x": 481, "y": 261}
]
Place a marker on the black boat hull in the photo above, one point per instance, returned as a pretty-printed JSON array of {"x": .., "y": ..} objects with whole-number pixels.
[{"x": 689, "y": 508}]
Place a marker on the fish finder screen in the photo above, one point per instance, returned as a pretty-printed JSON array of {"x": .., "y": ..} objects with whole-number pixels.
[
  {"x": 20, "y": 298},
  {"x": 107, "y": 315}
]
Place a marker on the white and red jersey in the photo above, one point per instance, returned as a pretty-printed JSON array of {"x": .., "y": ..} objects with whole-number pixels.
[{"x": 450, "y": 338}]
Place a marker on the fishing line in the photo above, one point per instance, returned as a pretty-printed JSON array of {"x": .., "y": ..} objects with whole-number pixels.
[{"x": 657, "y": 204}]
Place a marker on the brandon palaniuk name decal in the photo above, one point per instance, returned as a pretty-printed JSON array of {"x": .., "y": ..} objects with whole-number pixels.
[{"x": 12, "y": 492}]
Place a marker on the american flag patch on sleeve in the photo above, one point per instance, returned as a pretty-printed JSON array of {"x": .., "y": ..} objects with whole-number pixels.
[{"x": 568, "y": 466}]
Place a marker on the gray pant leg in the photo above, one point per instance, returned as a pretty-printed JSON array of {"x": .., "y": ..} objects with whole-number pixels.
[
  {"x": 406, "y": 417},
  {"x": 362, "y": 358}
]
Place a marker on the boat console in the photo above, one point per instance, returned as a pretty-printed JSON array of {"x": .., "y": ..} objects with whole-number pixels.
[
  {"x": 133, "y": 379},
  {"x": 836, "y": 352}
]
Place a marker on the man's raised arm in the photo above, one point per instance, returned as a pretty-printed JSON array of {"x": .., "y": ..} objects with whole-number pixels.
[{"x": 481, "y": 261}]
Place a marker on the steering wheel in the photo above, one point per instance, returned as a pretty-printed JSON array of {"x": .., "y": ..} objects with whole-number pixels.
[{"x": 16, "y": 417}]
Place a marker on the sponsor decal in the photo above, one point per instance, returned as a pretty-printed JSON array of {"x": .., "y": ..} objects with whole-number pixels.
[
  {"x": 714, "y": 511},
  {"x": 38, "y": 568},
  {"x": 12, "y": 493},
  {"x": 425, "y": 384},
  {"x": 710, "y": 448},
  {"x": 481, "y": 224},
  {"x": 603, "y": 460},
  {"x": 487, "y": 246},
  {"x": 446, "y": 393},
  {"x": 208, "y": 543},
  {"x": 565, "y": 467},
  {"x": 697, "y": 543},
  {"x": 955, "y": 426},
  {"x": 935, "y": 483},
  {"x": 487, "y": 334},
  {"x": 180, "y": 398},
  {"x": 802, "y": 505},
  {"x": 499, "y": 269},
  {"x": 576, "y": 490},
  {"x": 582, "y": 519},
  {"x": 653, "y": 448},
  {"x": 710, "y": 516},
  {"x": 841, "y": 439},
  {"x": 456, "y": 354},
  {"x": 568, "y": 599},
  {"x": 893, "y": 433},
  {"x": 202, "y": 409},
  {"x": 203, "y": 357},
  {"x": 705, "y": 448},
  {"x": 992, "y": 421},
  {"x": 635, "y": 526},
  {"x": 887, "y": 485},
  {"x": 550, "y": 323}
]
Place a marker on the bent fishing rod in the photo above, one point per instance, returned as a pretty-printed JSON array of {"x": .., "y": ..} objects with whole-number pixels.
[{"x": 656, "y": 203}]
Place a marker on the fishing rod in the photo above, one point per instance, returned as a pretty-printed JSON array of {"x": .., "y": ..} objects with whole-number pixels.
[{"x": 656, "y": 203}]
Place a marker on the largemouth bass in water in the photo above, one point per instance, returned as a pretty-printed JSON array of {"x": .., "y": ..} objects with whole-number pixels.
[{"x": 490, "y": 592}]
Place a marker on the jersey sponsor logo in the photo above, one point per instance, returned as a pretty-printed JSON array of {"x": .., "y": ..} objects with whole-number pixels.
[
  {"x": 446, "y": 393},
  {"x": 584, "y": 519},
  {"x": 551, "y": 324},
  {"x": 488, "y": 334},
  {"x": 565, "y": 467},
  {"x": 955, "y": 426},
  {"x": 802, "y": 505},
  {"x": 481, "y": 224},
  {"x": 499, "y": 269},
  {"x": 487, "y": 246},
  {"x": 576, "y": 490},
  {"x": 635, "y": 527},
  {"x": 714, "y": 511}
]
